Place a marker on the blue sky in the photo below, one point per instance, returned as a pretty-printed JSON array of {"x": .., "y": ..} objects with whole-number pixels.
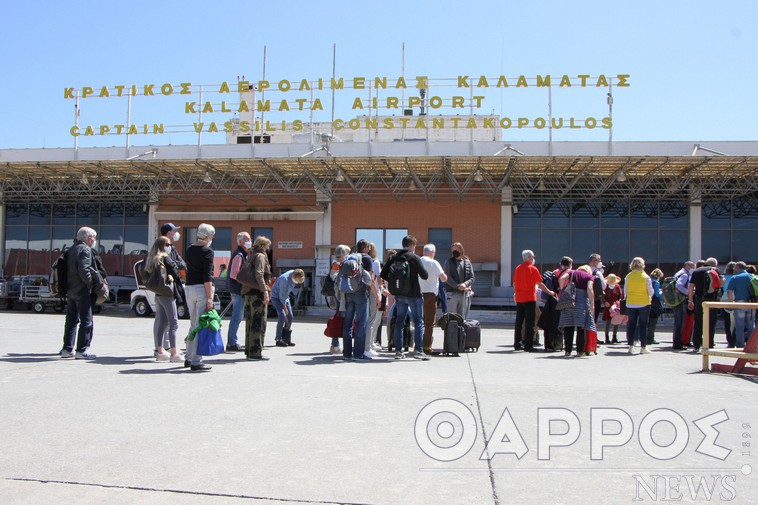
[{"x": 693, "y": 64}]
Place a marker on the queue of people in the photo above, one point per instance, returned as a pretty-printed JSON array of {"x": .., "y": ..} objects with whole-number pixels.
[{"x": 366, "y": 291}]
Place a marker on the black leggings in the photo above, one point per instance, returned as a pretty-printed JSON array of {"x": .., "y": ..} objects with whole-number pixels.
[{"x": 568, "y": 339}]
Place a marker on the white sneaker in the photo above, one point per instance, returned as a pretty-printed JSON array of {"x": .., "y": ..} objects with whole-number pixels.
[
  {"x": 376, "y": 347},
  {"x": 66, "y": 354},
  {"x": 176, "y": 358},
  {"x": 163, "y": 357},
  {"x": 631, "y": 349},
  {"x": 371, "y": 353},
  {"x": 335, "y": 349},
  {"x": 645, "y": 350},
  {"x": 84, "y": 355}
]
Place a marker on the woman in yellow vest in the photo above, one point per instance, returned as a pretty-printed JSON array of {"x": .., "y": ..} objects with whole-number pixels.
[{"x": 638, "y": 291}]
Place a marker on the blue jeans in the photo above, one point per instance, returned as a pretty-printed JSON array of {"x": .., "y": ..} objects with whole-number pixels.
[
  {"x": 356, "y": 310},
  {"x": 636, "y": 327},
  {"x": 238, "y": 311},
  {"x": 414, "y": 304},
  {"x": 282, "y": 320},
  {"x": 744, "y": 324},
  {"x": 78, "y": 311}
]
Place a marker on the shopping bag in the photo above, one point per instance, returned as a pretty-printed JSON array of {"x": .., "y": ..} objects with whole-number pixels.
[{"x": 209, "y": 342}]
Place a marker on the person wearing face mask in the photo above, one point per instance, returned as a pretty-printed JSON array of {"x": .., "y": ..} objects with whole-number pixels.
[
  {"x": 460, "y": 280},
  {"x": 81, "y": 281},
  {"x": 238, "y": 258},
  {"x": 199, "y": 288},
  {"x": 257, "y": 299},
  {"x": 171, "y": 232}
]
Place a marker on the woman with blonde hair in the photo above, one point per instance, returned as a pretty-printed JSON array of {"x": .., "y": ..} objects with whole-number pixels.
[
  {"x": 165, "y": 306},
  {"x": 638, "y": 291}
]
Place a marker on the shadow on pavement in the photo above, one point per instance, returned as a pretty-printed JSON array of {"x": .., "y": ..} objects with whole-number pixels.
[{"x": 31, "y": 357}]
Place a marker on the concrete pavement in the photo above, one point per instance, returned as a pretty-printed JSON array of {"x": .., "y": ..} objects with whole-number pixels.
[{"x": 305, "y": 427}]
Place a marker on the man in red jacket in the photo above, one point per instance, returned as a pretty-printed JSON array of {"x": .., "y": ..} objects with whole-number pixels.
[{"x": 526, "y": 278}]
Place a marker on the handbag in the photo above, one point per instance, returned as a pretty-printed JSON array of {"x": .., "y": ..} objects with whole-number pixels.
[
  {"x": 246, "y": 277},
  {"x": 334, "y": 326},
  {"x": 157, "y": 283},
  {"x": 567, "y": 298},
  {"x": 209, "y": 342},
  {"x": 103, "y": 293}
]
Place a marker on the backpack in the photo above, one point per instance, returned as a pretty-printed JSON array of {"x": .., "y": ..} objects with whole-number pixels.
[
  {"x": 672, "y": 296},
  {"x": 351, "y": 275},
  {"x": 399, "y": 276},
  {"x": 56, "y": 281},
  {"x": 327, "y": 286},
  {"x": 549, "y": 280},
  {"x": 713, "y": 284},
  {"x": 753, "y": 288}
]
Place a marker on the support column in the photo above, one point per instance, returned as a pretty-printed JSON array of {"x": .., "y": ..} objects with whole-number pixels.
[
  {"x": 2, "y": 238},
  {"x": 506, "y": 238},
  {"x": 696, "y": 225},
  {"x": 152, "y": 224},
  {"x": 323, "y": 251}
]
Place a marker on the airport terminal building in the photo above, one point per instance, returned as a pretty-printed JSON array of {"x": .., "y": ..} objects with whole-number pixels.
[{"x": 664, "y": 201}]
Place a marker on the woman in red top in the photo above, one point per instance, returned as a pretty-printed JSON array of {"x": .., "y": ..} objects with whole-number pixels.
[{"x": 611, "y": 296}]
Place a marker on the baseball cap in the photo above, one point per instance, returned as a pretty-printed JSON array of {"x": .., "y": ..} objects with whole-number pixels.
[{"x": 168, "y": 227}]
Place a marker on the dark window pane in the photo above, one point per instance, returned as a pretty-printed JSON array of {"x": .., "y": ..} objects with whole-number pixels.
[
  {"x": 583, "y": 243},
  {"x": 556, "y": 217},
  {"x": 16, "y": 235},
  {"x": 112, "y": 213},
  {"x": 716, "y": 216},
  {"x": 745, "y": 247},
  {"x": 584, "y": 216},
  {"x": 39, "y": 214},
  {"x": 63, "y": 237},
  {"x": 615, "y": 215},
  {"x": 222, "y": 248},
  {"x": 673, "y": 215},
  {"x": 441, "y": 238},
  {"x": 644, "y": 215},
  {"x": 135, "y": 240},
  {"x": 645, "y": 244},
  {"x": 526, "y": 215},
  {"x": 614, "y": 246},
  {"x": 87, "y": 214},
  {"x": 717, "y": 243},
  {"x": 16, "y": 213},
  {"x": 528, "y": 238},
  {"x": 64, "y": 214},
  {"x": 136, "y": 213},
  {"x": 673, "y": 246},
  {"x": 554, "y": 245}
]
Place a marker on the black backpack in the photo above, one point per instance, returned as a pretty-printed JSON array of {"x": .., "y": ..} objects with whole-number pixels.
[
  {"x": 57, "y": 279},
  {"x": 399, "y": 276},
  {"x": 327, "y": 286}
]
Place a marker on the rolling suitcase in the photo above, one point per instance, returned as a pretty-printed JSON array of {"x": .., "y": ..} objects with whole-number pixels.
[{"x": 473, "y": 335}]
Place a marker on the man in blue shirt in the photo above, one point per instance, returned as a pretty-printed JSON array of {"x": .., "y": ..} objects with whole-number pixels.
[
  {"x": 280, "y": 298},
  {"x": 738, "y": 290}
]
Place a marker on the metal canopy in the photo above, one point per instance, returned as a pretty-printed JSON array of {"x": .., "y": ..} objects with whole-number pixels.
[{"x": 326, "y": 178}]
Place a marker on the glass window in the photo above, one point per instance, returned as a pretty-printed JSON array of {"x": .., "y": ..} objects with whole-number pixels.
[
  {"x": 222, "y": 249},
  {"x": 614, "y": 246},
  {"x": 135, "y": 240},
  {"x": 644, "y": 215},
  {"x": 583, "y": 243},
  {"x": 63, "y": 237},
  {"x": 556, "y": 217},
  {"x": 554, "y": 245},
  {"x": 441, "y": 238},
  {"x": 526, "y": 238},
  {"x": 111, "y": 213},
  {"x": 394, "y": 238},
  {"x": 673, "y": 246},
  {"x": 584, "y": 216},
  {"x": 39, "y": 214},
  {"x": 526, "y": 214},
  {"x": 673, "y": 215},
  {"x": 16, "y": 213},
  {"x": 644, "y": 243},
  {"x": 718, "y": 244},
  {"x": 88, "y": 214},
  {"x": 745, "y": 247},
  {"x": 615, "y": 215},
  {"x": 383, "y": 239},
  {"x": 64, "y": 214},
  {"x": 135, "y": 214}
]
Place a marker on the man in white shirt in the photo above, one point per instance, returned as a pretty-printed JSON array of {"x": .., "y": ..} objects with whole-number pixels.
[{"x": 429, "y": 290}]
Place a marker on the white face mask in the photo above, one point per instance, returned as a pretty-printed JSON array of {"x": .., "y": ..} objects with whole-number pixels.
[
  {"x": 209, "y": 243},
  {"x": 248, "y": 244},
  {"x": 175, "y": 237},
  {"x": 168, "y": 249},
  {"x": 94, "y": 244}
]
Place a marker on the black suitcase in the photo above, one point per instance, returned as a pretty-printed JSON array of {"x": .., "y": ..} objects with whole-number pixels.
[
  {"x": 455, "y": 338},
  {"x": 473, "y": 335},
  {"x": 391, "y": 333}
]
